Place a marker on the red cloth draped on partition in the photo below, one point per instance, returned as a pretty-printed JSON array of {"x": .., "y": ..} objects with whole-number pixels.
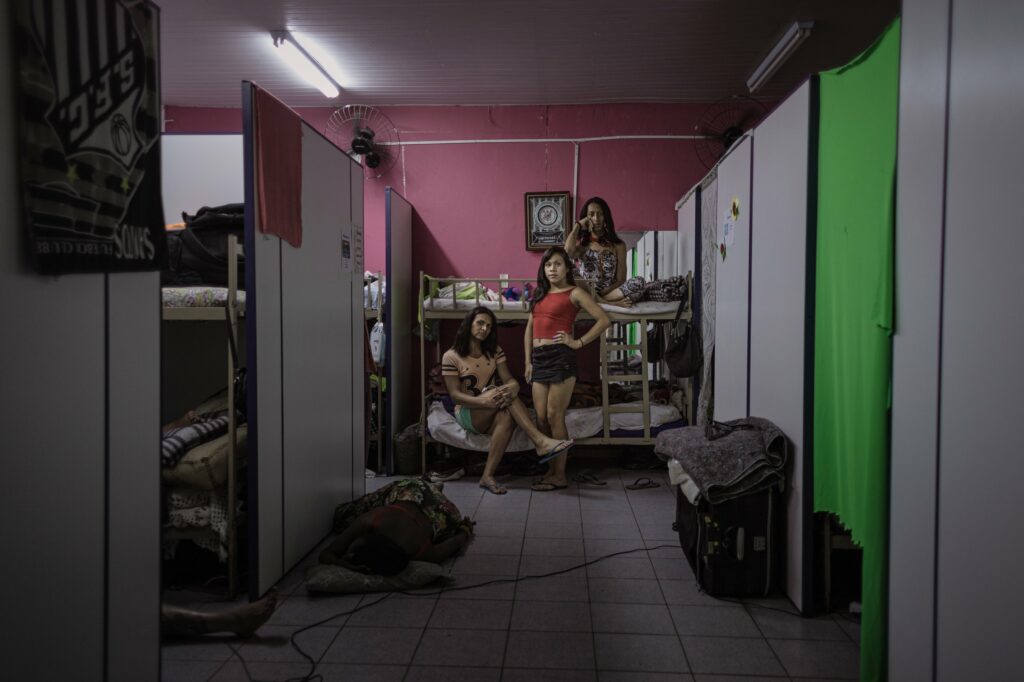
[{"x": 278, "y": 138}]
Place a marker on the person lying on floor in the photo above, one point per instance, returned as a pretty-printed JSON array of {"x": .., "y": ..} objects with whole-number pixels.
[
  {"x": 382, "y": 531},
  {"x": 486, "y": 398},
  {"x": 243, "y": 621}
]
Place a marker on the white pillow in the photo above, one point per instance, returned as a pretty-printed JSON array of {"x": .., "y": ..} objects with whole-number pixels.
[{"x": 329, "y": 578}]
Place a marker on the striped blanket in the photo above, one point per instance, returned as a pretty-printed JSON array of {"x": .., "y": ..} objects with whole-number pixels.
[{"x": 177, "y": 442}]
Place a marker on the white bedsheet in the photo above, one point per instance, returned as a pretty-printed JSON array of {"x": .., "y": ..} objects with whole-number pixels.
[
  {"x": 638, "y": 310},
  {"x": 580, "y": 423}
]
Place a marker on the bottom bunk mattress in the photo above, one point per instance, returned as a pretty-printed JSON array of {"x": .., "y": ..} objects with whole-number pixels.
[
  {"x": 198, "y": 297},
  {"x": 581, "y": 423}
]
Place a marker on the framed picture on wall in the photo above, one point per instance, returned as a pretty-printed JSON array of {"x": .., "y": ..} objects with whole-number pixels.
[{"x": 547, "y": 219}]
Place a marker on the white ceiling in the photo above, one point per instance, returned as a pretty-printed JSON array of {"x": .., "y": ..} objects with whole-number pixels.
[{"x": 505, "y": 51}]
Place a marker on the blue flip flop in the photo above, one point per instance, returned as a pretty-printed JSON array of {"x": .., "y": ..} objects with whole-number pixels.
[{"x": 556, "y": 451}]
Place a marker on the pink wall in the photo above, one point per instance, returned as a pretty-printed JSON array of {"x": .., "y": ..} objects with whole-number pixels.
[
  {"x": 469, "y": 217},
  {"x": 468, "y": 198}
]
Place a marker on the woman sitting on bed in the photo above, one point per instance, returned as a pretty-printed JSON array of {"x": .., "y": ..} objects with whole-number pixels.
[
  {"x": 601, "y": 259},
  {"x": 551, "y": 350},
  {"x": 382, "y": 531},
  {"x": 485, "y": 393}
]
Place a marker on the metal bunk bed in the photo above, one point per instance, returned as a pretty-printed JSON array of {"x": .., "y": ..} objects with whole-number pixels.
[
  {"x": 373, "y": 311},
  {"x": 615, "y": 348},
  {"x": 230, "y": 313}
]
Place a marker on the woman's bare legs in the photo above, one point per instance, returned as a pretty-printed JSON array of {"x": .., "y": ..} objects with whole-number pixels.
[
  {"x": 541, "y": 441},
  {"x": 558, "y": 398},
  {"x": 241, "y": 620},
  {"x": 540, "y": 406},
  {"x": 498, "y": 425}
]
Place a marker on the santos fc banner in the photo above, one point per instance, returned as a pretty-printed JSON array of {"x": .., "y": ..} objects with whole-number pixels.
[{"x": 89, "y": 134}]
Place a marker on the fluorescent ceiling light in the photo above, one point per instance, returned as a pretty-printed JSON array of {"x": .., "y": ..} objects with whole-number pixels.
[
  {"x": 303, "y": 64},
  {"x": 324, "y": 59},
  {"x": 791, "y": 39}
]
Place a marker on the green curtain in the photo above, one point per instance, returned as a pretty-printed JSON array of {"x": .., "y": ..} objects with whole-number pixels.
[{"x": 854, "y": 315}]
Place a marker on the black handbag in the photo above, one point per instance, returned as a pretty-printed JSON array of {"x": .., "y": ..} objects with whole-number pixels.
[{"x": 685, "y": 353}]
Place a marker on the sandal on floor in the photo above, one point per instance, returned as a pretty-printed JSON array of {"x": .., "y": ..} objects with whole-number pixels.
[
  {"x": 642, "y": 484},
  {"x": 588, "y": 478},
  {"x": 555, "y": 451},
  {"x": 542, "y": 487},
  {"x": 494, "y": 488}
]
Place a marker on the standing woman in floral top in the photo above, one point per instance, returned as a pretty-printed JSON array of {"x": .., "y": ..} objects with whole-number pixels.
[{"x": 601, "y": 259}]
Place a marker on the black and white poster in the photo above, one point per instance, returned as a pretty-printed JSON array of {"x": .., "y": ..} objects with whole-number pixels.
[{"x": 89, "y": 103}]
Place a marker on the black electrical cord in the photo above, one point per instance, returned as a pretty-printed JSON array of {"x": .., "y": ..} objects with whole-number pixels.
[{"x": 313, "y": 676}]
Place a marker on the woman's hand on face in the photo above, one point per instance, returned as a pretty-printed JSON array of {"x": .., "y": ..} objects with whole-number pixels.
[{"x": 562, "y": 337}]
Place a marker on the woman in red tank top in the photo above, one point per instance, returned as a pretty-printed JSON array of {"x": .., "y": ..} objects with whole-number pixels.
[{"x": 550, "y": 350}]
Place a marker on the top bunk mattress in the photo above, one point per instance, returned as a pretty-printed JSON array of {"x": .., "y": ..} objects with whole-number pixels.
[
  {"x": 637, "y": 310},
  {"x": 197, "y": 297}
]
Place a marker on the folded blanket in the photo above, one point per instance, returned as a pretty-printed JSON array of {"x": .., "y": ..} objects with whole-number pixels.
[{"x": 739, "y": 462}]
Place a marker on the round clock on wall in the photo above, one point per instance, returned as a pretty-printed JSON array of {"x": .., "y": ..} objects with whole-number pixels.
[{"x": 546, "y": 219}]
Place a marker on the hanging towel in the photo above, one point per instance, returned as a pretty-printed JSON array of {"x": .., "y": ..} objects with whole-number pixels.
[{"x": 278, "y": 133}]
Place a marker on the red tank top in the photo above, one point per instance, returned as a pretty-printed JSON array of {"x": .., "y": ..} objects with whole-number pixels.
[{"x": 555, "y": 313}]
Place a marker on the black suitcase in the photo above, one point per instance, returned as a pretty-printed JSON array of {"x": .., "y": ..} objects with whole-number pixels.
[{"x": 731, "y": 545}]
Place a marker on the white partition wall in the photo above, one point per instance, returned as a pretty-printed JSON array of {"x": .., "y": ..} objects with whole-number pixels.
[
  {"x": 732, "y": 284},
  {"x": 779, "y": 311},
  {"x": 263, "y": 329},
  {"x": 645, "y": 249},
  {"x": 915, "y": 348},
  {"x": 304, "y": 446},
  {"x": 686, "y": 233},
  {"x": 317, "y": 359},
  {"x": 133, "y": 479},
  {"x": 665, "y": 246},
  {"x": 359, "y": 376},
  {"x": 80, "y": 397},
  {"x": 980, "y": 468},
  {"x": 398, "y": 319}
]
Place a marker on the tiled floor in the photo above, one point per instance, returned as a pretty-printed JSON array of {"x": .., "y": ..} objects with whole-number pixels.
[{"x": 633, "y": 617}]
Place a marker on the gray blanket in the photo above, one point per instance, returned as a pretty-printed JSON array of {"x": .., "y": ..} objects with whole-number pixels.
[{"x": 737, "y": 463}]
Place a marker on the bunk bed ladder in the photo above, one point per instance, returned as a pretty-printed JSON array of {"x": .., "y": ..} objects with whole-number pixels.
[{"x": 610, "y": 347}]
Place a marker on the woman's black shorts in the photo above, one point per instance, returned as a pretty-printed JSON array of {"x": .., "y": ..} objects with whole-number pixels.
[{"x": 553, "y": 363}]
